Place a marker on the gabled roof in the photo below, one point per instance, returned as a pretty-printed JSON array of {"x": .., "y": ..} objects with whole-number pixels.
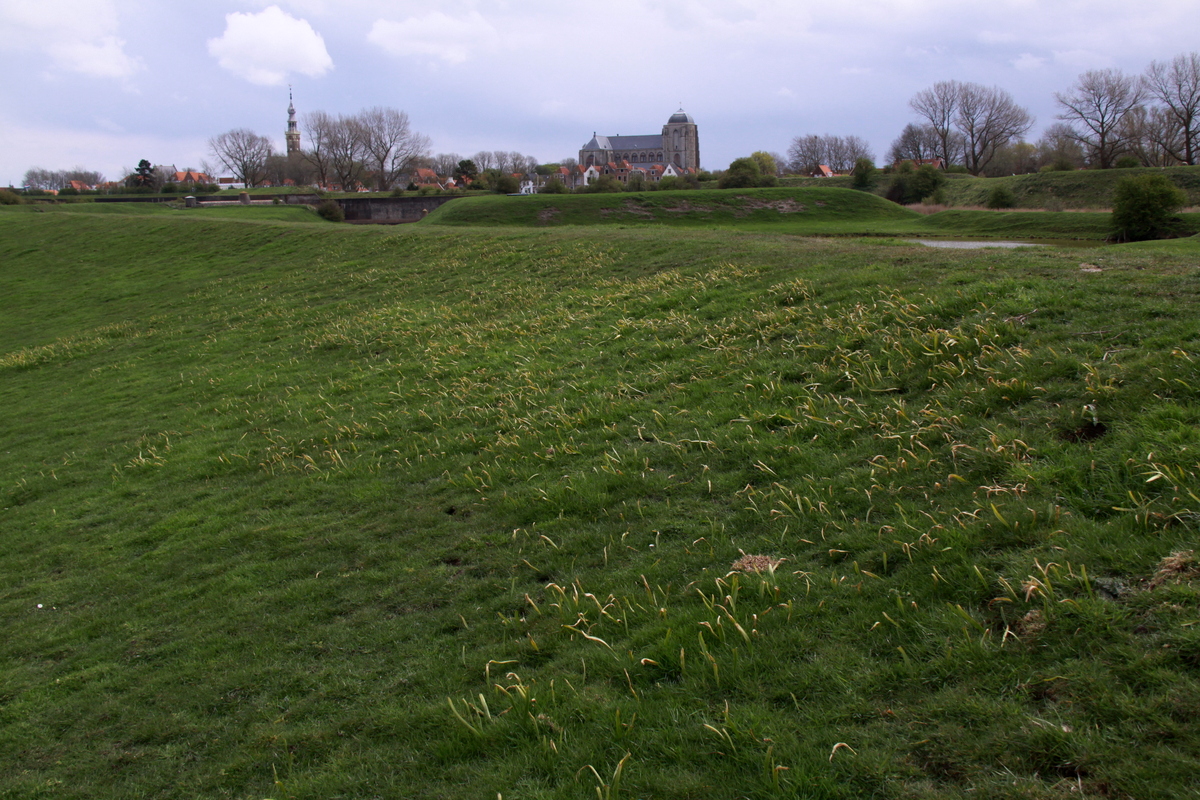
[
  {"x": 647, "y": 142},
  {"x": 598, "y": 143}
]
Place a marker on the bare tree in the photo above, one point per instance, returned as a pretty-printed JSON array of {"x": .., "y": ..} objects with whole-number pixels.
[
  {"x": 319, "y": 133},
  {"x": 1059, "y": 149},
  {"x": 839, "y": 153},
  {"x": 806, "y": 153},
  {"x": 1096, "y": 109},
  {"x": 1177, "y": 86},
  {"x": 938, "y": 105},
  {"x": 445, "y": 163},
  {"x": 484, "y": 159},
  {"x": 916, "y": 143},
  {"x": 38, "y": 178},
  {"x": 987, "y": 118},
  {"x": 244, "y": 153},
  {"x": 390, "y": 146},
  {"x": 522, "y": 163},
  {"x": 348, "y": 152}
]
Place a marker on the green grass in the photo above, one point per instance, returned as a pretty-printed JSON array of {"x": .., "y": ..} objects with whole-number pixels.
[
  {"x": 426, "y": 511},
  {"x": 818, "y": 211},
  {"x": 1072, "y": 190}
]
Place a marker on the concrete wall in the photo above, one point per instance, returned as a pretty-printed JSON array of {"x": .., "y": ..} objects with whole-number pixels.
[{"x": 390, "y": 210}]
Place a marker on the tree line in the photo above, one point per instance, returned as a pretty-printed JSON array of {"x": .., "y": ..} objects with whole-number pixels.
[
  {"x": 1106, "y": 119},
  {"x": 374, "y": 147}
]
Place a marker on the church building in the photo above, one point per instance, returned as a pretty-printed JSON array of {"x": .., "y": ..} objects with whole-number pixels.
[{"x": 678, "y": 145}]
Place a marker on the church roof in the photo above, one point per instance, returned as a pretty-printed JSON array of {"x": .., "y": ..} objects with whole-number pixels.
[
  {"x": 636, "y": 142},
  {"x": 680, "y": 116},
  {"x": 597, "y": 143}
]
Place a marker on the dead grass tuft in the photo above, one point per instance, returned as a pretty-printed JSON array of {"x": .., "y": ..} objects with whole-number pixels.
[
  {"x": 1031, "y": 624},
  {"x": 756, "y": 564},
  {"x": 1180, "y": 565}
]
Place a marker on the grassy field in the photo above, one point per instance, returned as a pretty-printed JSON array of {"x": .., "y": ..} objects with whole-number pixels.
[{"x": 294, "y": 509}]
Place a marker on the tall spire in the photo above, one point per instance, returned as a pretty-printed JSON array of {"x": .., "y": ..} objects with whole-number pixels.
[{"x": 293, "y": 130}]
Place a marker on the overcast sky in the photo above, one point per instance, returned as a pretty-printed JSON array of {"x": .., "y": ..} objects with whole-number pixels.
[{"x": 104, "y": 83}]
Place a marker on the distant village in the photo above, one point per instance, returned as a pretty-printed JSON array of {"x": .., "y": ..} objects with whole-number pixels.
[
  {"x": 377, "y": 151},
  {"x": 1108, "y": 119}
]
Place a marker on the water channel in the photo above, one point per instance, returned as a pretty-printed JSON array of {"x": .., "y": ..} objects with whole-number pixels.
[{"x": 977, "y": 244}]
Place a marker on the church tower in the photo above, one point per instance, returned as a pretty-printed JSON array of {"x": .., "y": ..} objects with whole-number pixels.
[
  {"x": 293, "y": 130},
  {"x": 681, "y": 141}
]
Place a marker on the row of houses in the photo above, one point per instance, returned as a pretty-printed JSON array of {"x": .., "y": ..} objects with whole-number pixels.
[{"x": 571, "y": 177}]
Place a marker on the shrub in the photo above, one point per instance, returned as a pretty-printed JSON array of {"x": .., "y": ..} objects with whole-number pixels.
[
  {"x": 743, "y": 173},
  {"x": 605, "y": 183},
  {"x": 330, "y": 210},
  {"x": 864, "y": 174},
  {"x": 8, "y": 198},
  {"x": 1000, "y": 197},
  {"x": 1144, "y": 207},
  {"x": 1127, "y": 162},
  {"x": 505, "y": 184},
  {"x": 914, "y": 185},
  {"x": 553, "y": 186},
  {"x": 68, "y": 190}
]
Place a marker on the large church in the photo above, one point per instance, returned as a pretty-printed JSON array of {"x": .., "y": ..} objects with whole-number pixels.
[{"x": 679, "y": 145}]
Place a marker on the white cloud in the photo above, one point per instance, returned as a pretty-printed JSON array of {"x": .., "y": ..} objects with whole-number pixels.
[
  {"x": 435, "y": 34},
  {"x": 78, "y": 35},
  {"x": 264, "y": 47}
]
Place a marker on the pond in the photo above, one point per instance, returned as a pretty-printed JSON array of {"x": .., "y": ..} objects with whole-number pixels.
[{"x": 977, "y": 244}]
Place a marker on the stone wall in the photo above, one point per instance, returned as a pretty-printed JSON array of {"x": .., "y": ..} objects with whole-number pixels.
[{"x": 391, "y": 210}]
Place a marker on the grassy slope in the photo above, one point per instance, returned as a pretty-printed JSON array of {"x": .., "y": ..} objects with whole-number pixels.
[
  {"x": 281, "y": 490},
  {"x": 805, "y": 211},
  {"x": 791, "y": 209},
  {"x": 1080, "y": 189}
]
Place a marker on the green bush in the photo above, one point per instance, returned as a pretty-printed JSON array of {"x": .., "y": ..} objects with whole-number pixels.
[
  {"x": 1127, "y": 162},
  {"x": 330, "y": 210},
  {"x": 743, "y": 173},
  {"x": 914, "y": 185},
  {"x": 553, "y": 186},
  {"x": 9, "y": 198},
  {"x": 864, "y": 174},
  {"x": 605, "y": 183},
  {"x": 1144, "y": 207},
  {"x": 1000, "y": 197},
  {"x": 505, "y": 184}
]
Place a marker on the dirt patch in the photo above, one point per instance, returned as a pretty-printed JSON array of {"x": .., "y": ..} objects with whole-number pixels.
[
  {"x": 629, "y": 209},
  {"x": 785, "y": 206},
  {"x": 684, "y": 207},
  {"x": 1087, "y": 432},
  {"x": 548, "y": 215}
]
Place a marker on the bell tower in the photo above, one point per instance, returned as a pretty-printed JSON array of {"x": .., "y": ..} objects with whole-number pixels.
[
  {"x": 293, "y": 130},
  {"x": 681, "y": 141}
]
